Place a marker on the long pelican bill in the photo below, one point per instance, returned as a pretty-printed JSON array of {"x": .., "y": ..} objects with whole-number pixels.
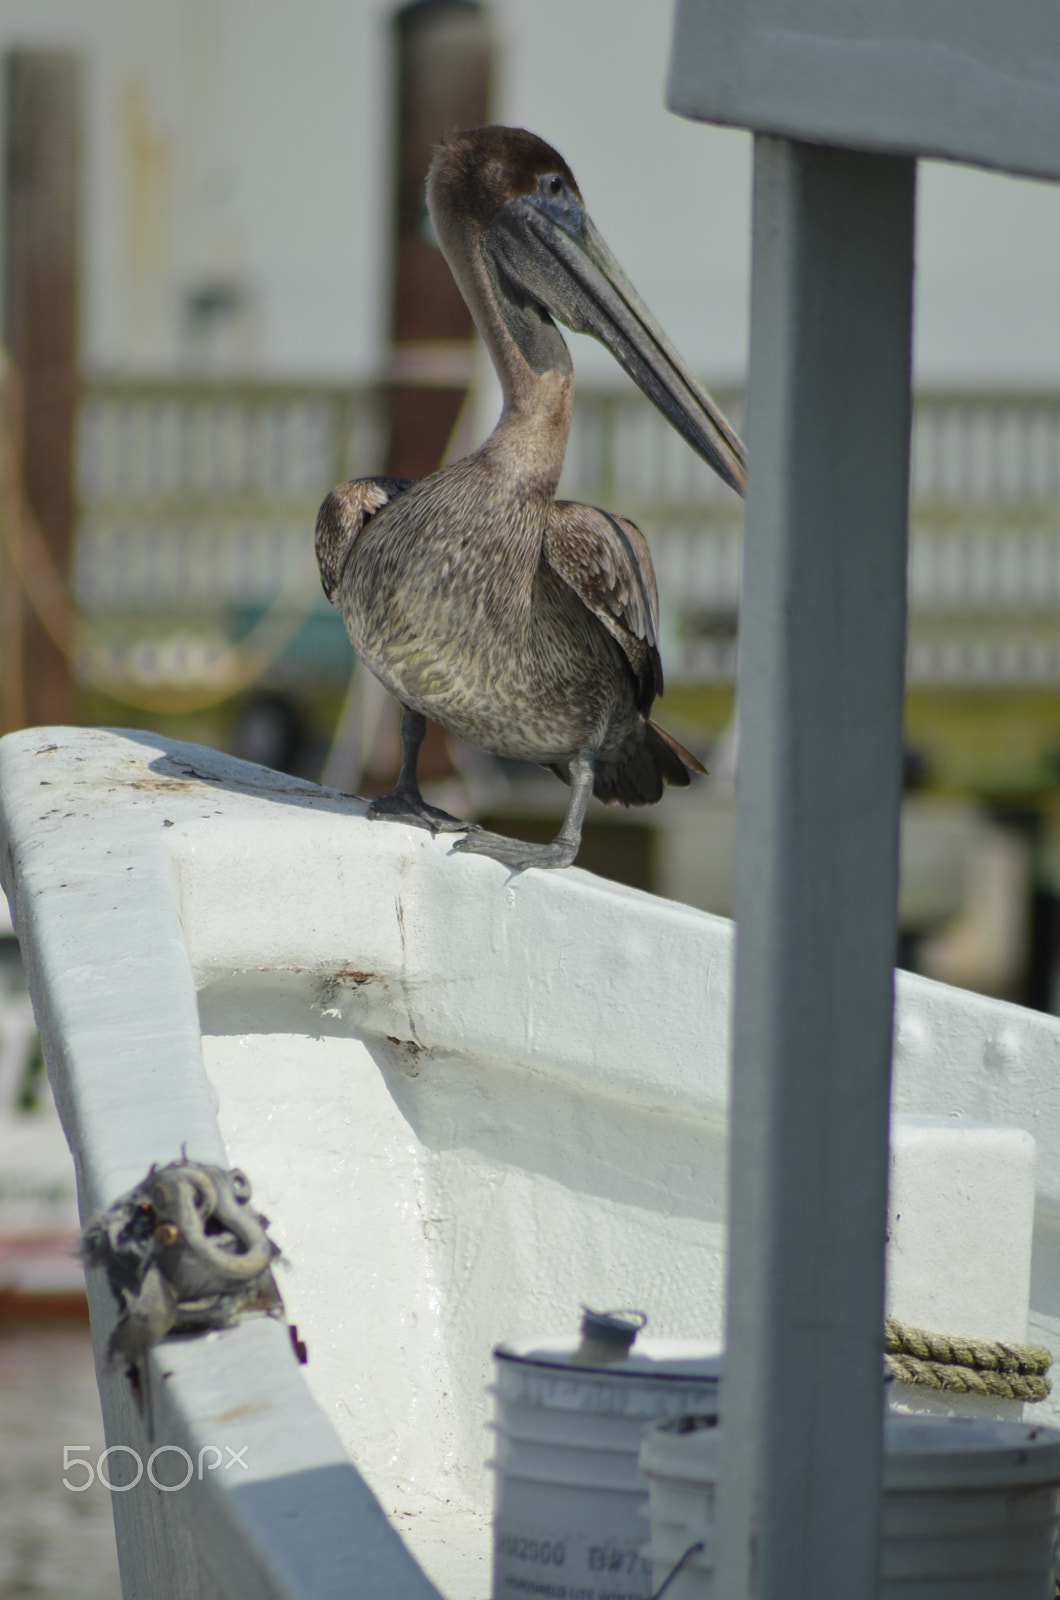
[{"x": 553, "y": 249}]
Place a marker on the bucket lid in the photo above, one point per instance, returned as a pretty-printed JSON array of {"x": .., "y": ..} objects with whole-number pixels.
[
  {"x": 681, "y": 1448},
  {"x": 930, "y": 1452},
  {"x": 655, "y": 1357}
]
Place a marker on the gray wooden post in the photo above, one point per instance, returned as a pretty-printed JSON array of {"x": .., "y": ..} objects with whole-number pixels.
[{"x": 821, "y": 678}]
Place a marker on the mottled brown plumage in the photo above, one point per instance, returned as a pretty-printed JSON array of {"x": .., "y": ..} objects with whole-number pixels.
[{"x": 527, "y": 626}]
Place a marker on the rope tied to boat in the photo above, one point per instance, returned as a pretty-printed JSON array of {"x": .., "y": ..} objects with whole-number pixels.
[
  {"x": 183, "y": 1251},
  {"x": 945, "y": 1362}
]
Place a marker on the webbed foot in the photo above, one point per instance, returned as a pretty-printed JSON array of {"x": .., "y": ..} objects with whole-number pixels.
[
  {"x": 517, "y": 853},
  {"x": 408, "y": 805}
]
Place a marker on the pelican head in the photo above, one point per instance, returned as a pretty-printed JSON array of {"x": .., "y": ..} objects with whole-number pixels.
[{"x": 506, "y": 197}]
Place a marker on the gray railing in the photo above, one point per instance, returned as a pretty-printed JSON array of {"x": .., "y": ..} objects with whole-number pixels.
[{"x": 197, "y": 499}]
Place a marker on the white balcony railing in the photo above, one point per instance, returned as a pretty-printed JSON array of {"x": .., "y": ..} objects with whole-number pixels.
[{"x": 196, "y": 497}]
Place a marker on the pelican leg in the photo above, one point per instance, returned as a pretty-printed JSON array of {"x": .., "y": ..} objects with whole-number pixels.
[
  {"x": 404, "y": 803},
  {"x": 517, "y": 854}
]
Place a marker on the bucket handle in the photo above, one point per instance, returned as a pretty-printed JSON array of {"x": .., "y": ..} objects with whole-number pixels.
[{"x": 675, "y": 1571}]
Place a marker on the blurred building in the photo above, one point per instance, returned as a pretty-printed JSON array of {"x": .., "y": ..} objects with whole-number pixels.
[{"x": 237, "y": 168}]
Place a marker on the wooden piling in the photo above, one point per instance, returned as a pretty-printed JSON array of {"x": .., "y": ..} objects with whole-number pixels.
[{"x": 43, "y": 98}]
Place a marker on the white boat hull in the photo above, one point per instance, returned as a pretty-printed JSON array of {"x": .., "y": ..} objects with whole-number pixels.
[{"x": 469, "y": 1101}]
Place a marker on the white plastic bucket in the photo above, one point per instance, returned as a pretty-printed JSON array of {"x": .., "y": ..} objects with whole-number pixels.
[
  {"x": 570, "y": 1505},
  {"x": 970, "y": 1508},
  {"x": 679, "y": 1460}
]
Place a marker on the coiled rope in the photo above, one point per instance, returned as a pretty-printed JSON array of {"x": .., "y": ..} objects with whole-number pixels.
[{"x": 944, "y": 1362}]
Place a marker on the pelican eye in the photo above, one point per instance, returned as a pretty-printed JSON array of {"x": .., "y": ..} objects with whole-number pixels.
[{"x": 555, "y": 185}]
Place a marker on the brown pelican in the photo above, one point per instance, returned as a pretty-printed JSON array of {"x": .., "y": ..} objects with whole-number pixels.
[{"x": 525, "y": 625}]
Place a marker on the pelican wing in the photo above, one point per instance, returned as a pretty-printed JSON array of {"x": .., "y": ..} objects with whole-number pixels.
[
  {"x": 342, "y": 519},
  {"x": 606, "y": 561}
]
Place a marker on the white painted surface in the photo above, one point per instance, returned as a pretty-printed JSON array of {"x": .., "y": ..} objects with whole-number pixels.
[
  {"x": 467, "y": 1101},
  {"x": 960, "y": 1229},
  {"x": 960, "y": 1193},
  {"x": 973, "y": 82}
]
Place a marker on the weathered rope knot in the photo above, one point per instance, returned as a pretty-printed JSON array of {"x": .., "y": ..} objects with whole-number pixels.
[
  {"x": 182, "y": 1251},
  {"x": 943, "y": 1361}
]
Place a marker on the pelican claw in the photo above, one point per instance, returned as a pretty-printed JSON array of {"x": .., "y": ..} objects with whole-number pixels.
[
  {"x": 408, "y": 805},
  {"x": 517, "y": 853}
]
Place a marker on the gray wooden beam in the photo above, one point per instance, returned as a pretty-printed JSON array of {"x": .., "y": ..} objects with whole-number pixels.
[{"x": 822, "y": 640}]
